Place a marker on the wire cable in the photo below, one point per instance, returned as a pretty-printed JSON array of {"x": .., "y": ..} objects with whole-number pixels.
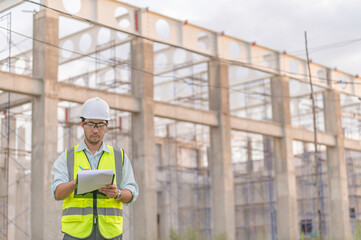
[
  {"x": 172, "y": 45},
  {"x": 112, "y": 63}
]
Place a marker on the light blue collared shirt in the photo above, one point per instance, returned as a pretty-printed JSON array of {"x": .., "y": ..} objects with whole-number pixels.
[{"x": 60, "y": 174}]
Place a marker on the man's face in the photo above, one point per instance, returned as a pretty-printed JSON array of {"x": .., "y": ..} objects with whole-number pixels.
[{"x": 94, "y": 130}]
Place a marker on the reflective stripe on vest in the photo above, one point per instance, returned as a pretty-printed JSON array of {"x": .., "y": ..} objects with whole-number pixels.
[
  {"x": 78, "y": 210},
  {"x": 89, "y": 210}
]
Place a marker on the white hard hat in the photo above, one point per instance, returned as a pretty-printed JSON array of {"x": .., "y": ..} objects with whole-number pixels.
[{"x": 95, "y": 108}]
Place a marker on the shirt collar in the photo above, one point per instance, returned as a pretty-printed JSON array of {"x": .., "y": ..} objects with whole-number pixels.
[{"x": 103, "y": 147}]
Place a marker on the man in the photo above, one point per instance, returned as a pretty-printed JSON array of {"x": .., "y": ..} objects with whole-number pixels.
[{"x": 95, "y": 215}]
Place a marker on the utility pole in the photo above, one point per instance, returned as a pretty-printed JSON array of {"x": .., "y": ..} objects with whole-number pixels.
[{"x": 316, "y": 159}]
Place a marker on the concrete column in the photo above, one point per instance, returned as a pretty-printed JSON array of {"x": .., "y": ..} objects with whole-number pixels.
[
  {"x": 45, "y": 212},
  {"x": 285, "y": 177},
  {"x": 143, "y": 141},
  {"x": 336, "y": 165},
  {"x": 221, "y": 158}
]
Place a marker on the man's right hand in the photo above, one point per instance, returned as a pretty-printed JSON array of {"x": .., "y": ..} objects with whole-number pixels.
[{"x": 63, "y": 190}]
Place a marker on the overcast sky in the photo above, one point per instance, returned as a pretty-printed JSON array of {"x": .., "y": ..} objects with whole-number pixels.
[{"x": 333, "y": 26}]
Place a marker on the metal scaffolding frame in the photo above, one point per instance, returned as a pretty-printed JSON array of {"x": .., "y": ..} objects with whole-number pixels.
[{"x": 353, "y": 160}]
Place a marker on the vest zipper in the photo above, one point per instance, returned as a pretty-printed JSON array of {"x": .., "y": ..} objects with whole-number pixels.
[
  {"x": 95, "y": 212},
  {"x": 95, "y": 193}
]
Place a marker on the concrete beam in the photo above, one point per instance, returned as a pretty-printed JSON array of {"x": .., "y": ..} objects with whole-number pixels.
[
  {"x": 307, "y": 136},
  {"x": 11, "y": 82},
  {"x": 15, "y": 100},
  {"x": 7, "y": 4},
  {"x": 352, "y": 144},
  {"x": 93, "y": 31},
  {"x": 73, "y": 93},
  {"x": 186, "y": 114},
  {"x": 274, "y": 130},
  {"x": 253, "y": 126}
]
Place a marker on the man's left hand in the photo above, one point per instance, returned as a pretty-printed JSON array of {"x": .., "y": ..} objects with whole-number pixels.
[{"x": 110, "y": 190}]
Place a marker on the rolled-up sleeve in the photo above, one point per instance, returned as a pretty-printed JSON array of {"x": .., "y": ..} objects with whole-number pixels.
[
  {"x": 59, "y": 173},
  {"x": 128, "y": 181}
]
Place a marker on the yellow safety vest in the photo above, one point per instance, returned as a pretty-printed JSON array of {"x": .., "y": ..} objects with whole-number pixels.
[{"x": 81, "y": 211}]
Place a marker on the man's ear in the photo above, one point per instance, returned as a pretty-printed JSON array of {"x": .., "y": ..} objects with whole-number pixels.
[{"x": 82, "y": 124}]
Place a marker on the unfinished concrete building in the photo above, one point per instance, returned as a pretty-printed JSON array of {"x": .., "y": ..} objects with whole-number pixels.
[{"x": 219, "y": 130}]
